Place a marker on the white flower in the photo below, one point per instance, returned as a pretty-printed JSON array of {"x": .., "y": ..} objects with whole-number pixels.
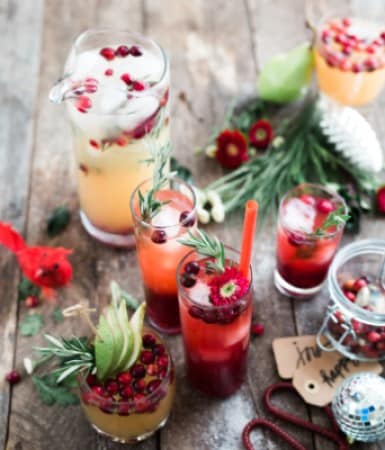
[
  {"x": 209, "y": 206},
  {"x": 211, "y": 150},
  {"x": 203, "y": 215},
  {"x": 29, "y": 365},
  {"x": 278, "y": 141},
  {"x": 218, "y": 213}
]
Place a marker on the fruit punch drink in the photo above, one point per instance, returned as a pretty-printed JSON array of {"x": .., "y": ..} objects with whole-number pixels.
[
  {"x": 311, "y": 220},
  {"x": 350, "y": 59},
  {"x": 215, "y": 309},
  {"x": 159, "y": 251},
  {"x": 116, "y": 88}
]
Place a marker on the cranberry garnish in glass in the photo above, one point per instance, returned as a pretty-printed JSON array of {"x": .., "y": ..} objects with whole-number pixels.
[
  {"x": 158, "y": 248},
  {"x": 311, "y": 221},
  {"x": 215, "y": 310}
]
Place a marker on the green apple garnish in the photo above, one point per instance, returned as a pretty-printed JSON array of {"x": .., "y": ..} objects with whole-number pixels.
[
  {"x": 128, "y": 336},
  {"x": 136, "y": 323},
  {"x": 104, "y": 343}
]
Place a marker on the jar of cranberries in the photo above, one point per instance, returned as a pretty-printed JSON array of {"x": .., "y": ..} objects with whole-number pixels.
[{"x": 355, "y": 320}]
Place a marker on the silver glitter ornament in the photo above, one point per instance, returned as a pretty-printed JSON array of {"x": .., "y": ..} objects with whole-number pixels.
[{"x": 359, "y": 407}]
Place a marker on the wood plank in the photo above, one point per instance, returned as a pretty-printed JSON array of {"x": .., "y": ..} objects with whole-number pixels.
[
  {"x": 53, "y": 183},
  {"x": 20, "y": 30}
]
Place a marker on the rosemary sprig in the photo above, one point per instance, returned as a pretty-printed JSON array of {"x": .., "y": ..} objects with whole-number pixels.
[
  {"x": 74, "y": 354},
  {"x": 335, "y": 218},
  {"x": 148, "y": 204},
  {"x": 207, "y": 246}
]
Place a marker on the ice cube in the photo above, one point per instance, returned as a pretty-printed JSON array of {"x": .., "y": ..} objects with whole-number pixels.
[
  {"x": 200, "y": 293},
  {"x": 111, "y": 99},
  {"x": 298, "y": 215},
  {"x": 136, "y": 111}
]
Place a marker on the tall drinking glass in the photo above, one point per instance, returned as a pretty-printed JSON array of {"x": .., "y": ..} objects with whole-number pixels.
[{"x": 115, "y": 86}]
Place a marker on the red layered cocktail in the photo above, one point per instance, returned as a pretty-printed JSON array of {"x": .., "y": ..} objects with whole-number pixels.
[
  {"x": 310, "y": 225},
  {"x": 215, "y": 310}
]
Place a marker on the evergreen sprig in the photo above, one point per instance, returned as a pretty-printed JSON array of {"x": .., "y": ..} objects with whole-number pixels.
[
  {"x": 335, "y": 218},
  {"x": 207, "y": 246}
]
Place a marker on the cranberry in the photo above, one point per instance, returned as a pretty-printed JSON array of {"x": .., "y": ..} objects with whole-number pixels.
[
  {"x": 83, "y": 103},
  {"x": 121, "y": 141},
  {"x": 90, "y": 88},
  {"x": 122, "y": 51},
  {"x": 370, "y": 49},
  {"x": 162, "y": 362},
  {"x": 359, "y": 284},
  {"x": 357, "y": 68},
  {"x": 148, "y": 341},
  {"x": 370, "y": 64},
  {"x": 153, "y": 385},
  {"x": 107, "y": 53},
  {"x": 308, "y": 199},
  {"x": 124, "y": 378},
  {"x": 296, "y": 238},
  {"x": 187, "y": 280},
  {"x": 345, "y": 65},
  {"x": 257, "y": 329},
  {"x": 126, "y": 78},
  {"x": 192, "y": 267},
  {"x": 93, "y": 143},
  {"x": 325, "y": 206},
  {"x": 347, "y": 50},
  {"x": 31, "y": 301},
  {"x": 373, "y": 337},
  {"x": 127, "y": 392},
  {"x": 91, "y": 380},
  {"x": 350, "y": 296},
  {"x": 135, "y": 51},
  {"x": 98, "y": 390},
  {"x": 124, "y": 409},
  {"x": 383, "y": 36},
  {"x": 209, "y": 317},
  {"x": 107, "y": 406},
  {"x": 369, "y": 351},
  {"x": 339, "y": 317},
  {"x": 159, "y": 350},
  {"x": 187, "y": 218},
  {"x": 153, "y": 369},
  {"x": 112, "y": 387},
  {"x": 138, "y": 371},
  {"x": 147, "y": 357},
  {"x": 141, "y": 404},
  {"x": 138, "y": 86},
  {"x": 358, "y": 327},
  {"x": 13, "y": 377},
  {"x": 139, "y": 385},
  {"x": 346, "y": 22},
  {"x": 108, "y": 72},
  {"x": 159, "y": 237},
  {"x": 196, "y": 312}
]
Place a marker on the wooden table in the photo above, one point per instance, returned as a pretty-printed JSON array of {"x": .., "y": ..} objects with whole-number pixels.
[{"x": 215, "y": 49}]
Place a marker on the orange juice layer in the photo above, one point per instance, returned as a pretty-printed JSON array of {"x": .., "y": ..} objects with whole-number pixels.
[
  {"x": 347, "y": 87},
  {"x": 106, "y": 180},
  {"x": 128, "y": 428},
  {"x": 158, "y": 262}
]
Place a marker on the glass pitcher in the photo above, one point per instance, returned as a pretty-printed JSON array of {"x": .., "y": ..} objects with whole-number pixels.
[{"x": 115, "y": 86}]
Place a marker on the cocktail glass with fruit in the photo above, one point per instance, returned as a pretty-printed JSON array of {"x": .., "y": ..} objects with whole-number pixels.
[
  {"x": 158, "y": 229},
  {"x": 215, "y": 300},
  {"x": 311, "y": 221},
  {"x": 125, "y": 375},
  {"x": 116, "y": 86},
  {"x": 350, "y": 59}
]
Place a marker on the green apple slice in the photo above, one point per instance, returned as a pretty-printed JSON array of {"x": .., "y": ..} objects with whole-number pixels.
[
  {"x": 136, "y": 323},
  {"x": 113, "y": 323},
  {"x": 104, "y": 342},
  {"x": 128, "y": 337}
]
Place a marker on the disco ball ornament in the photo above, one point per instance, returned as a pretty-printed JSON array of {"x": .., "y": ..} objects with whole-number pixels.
[{"x": 359, "y": 407}]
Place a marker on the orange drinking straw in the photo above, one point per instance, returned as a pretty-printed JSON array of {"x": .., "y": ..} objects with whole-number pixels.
[{"x": 249, "y": 225}]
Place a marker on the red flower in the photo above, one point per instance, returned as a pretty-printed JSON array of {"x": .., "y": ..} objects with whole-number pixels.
[
  {"x": 46, "y": 267},
  {"x": 381, "y": 199},
  {"x": 261, "y": 134},
  {"x": 228, "y": 287},
  {"x": 231, "y": 149}
]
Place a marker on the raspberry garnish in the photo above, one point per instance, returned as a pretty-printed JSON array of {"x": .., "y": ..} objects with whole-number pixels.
[{"x": 228, "y": 287}]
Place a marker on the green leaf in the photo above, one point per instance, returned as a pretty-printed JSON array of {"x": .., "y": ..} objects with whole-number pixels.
[
  {"x": 50, "y": 392},
  {"x": 58, "y": 220},
  {"x": 26, "y": 288},
  {"x": 57, "y": 315},
  {"x": 283, "y": 78},
  {"x": 31, "y": 325}
]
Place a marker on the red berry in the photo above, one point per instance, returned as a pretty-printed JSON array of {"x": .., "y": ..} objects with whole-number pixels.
[
  {"x": 359, "y": 284},
  {"x": 122, "y": 51},
  {"x": 357, "y": 68},
  {"x": 124, "y": 378},
  {"x": 325, "y": 206},
  {"x": 345, "y": 65},
  {"x": 83, "y": 103},
  {"x": 153, "y": 385},
  {"x": 346, "y": 22},
  {"x": 124, "y": 409},
  {"x": 162, "y": 362},
  {"x": 138, "y": 86},
  {"x": 153, "y": 369},
  {"x": 350, "y": 296},
  {"x": 135, "y": 51},
  {"x": 107, "y": 53},
  {"x": 308, "y": 199},
  {"x": 370, "y": 49},
  {"x": 121, "y": 141},
  {"x": 138, "y": 371},
  {"x": 126, "y": 78},
  {"x": 107, "y": 406},
  {"x": 127, "y": 392},
  {"x": 148, "y": 341},
  {"x": 257, "y": 329},
  {"x": 159, "y": 350},
  {"x": 380, "y": 200},
  {"x": 91, "y": 380},
  {"x": 159, "y": 237},
  {"x": 90, "y": 88},
  {"x": 147, "y": 357},
  {"x": 112, "y": 387},
  {"x": 139, "y": 385},
  {"x": 94, "y": 143},
  {"x": 31, "y": 301},
  {"x": 141, "y": 404},
  {"x": 187, "y": 280},
  {"x": 373, "y": 337},
  {"x": 192, "y": 267},
  {"x": 98, "y": 390},
  {"x": 187, "y": 218},
  {"x": 13, "y": 377},
  {"x": 358, "y": 327},
  {"x": 108, "y": 72}
]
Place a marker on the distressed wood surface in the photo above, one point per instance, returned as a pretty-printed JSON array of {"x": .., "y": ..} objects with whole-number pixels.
[{"x": 215, "y": 48}]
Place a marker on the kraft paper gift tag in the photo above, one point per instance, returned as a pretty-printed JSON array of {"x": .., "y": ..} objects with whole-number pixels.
[{"x": 315, "y": 374}]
